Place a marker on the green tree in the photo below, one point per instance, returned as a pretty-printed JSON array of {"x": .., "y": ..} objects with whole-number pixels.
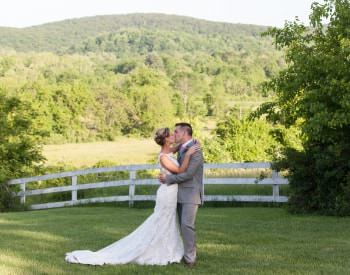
[
  {"x": 240, "y": 140},
  {"x": 314, "y": 92},
  {"x": 150, "y": 97},
  {"x": 20, "y": 149}
]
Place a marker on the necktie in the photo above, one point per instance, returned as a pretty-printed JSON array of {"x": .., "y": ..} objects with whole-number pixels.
[{"x": 180, "y": 154}]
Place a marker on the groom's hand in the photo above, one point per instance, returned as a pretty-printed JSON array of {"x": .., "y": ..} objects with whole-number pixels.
[{"x": 161, "y": 178}]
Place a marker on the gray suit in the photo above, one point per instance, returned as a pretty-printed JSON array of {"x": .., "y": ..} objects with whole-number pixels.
[{"x": 190, "y": 195}]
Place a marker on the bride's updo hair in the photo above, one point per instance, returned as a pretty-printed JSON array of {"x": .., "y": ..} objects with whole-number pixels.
[{"x": 160, "y": 135}]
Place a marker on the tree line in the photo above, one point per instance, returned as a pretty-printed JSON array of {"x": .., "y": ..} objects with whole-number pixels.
[{"x": 130, "y": 82}]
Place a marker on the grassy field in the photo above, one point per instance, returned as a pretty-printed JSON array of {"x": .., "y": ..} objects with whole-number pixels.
[
  {"x": 230, "y": 241},
  {"x": 121, "y": 151}
]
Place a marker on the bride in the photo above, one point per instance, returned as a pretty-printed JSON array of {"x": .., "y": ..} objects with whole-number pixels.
[{"x": 157, "y": 241}]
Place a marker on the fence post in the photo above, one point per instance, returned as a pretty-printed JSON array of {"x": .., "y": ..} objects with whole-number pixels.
[
  {"x": 74, "y": 192},
  {"x": 275, "y": 185},
  {"x": 23, "y": 196},
  {"x": 132, "y": 177}
]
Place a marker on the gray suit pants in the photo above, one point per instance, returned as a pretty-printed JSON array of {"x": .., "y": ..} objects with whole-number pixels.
[{"x": 187, "y": 217}]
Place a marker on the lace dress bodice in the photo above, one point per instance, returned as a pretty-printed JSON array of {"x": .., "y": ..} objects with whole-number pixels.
[
  {"x": 166, "y": 194},
  {"x": 171, "y": 157}
]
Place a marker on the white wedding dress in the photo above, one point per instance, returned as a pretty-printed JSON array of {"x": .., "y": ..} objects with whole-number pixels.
[{"x": 157, "y": 241}]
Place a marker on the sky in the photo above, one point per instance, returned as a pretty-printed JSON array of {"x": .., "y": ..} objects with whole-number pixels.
[{"x": 24, "y": 13}]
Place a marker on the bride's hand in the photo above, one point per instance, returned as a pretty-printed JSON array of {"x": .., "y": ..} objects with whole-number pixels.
[
  {"x": 196, "y": 141},
  {"x": 161, "y": 178},
  {"x": 193, "y": 149}
]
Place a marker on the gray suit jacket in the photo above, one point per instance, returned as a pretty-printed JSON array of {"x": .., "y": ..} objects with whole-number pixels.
[{"x": 191, "y": 189}]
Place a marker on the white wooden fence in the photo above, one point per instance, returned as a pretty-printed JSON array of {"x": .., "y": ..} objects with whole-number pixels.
[{"x": 275, "y": 181}]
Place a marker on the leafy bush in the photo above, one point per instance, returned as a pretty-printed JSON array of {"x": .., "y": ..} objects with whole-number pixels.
[{"x": 240, "y": 140}]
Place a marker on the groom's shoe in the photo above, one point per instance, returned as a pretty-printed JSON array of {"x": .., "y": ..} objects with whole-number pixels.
[{"x": 188, "y": 264}]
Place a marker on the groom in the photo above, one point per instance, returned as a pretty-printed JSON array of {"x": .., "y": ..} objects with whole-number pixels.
[{"x": 190, "y": 192}]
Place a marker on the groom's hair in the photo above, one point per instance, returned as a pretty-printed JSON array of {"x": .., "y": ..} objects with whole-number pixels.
[{"x": 186, "y": 127}]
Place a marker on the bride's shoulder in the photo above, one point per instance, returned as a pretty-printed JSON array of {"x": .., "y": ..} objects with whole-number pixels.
[{"x": 167, "y": 155}]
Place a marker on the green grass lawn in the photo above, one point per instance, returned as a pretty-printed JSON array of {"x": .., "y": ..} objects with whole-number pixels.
[{"x": 230, "y": 241}]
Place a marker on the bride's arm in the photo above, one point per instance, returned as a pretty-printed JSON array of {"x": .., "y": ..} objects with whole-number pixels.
[
  {"x": 176, "y": 148},
  {"x": 172, "y": 167}
]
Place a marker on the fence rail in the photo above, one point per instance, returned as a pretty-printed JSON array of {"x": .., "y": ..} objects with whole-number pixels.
[{"x": 275, "y": 181}]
